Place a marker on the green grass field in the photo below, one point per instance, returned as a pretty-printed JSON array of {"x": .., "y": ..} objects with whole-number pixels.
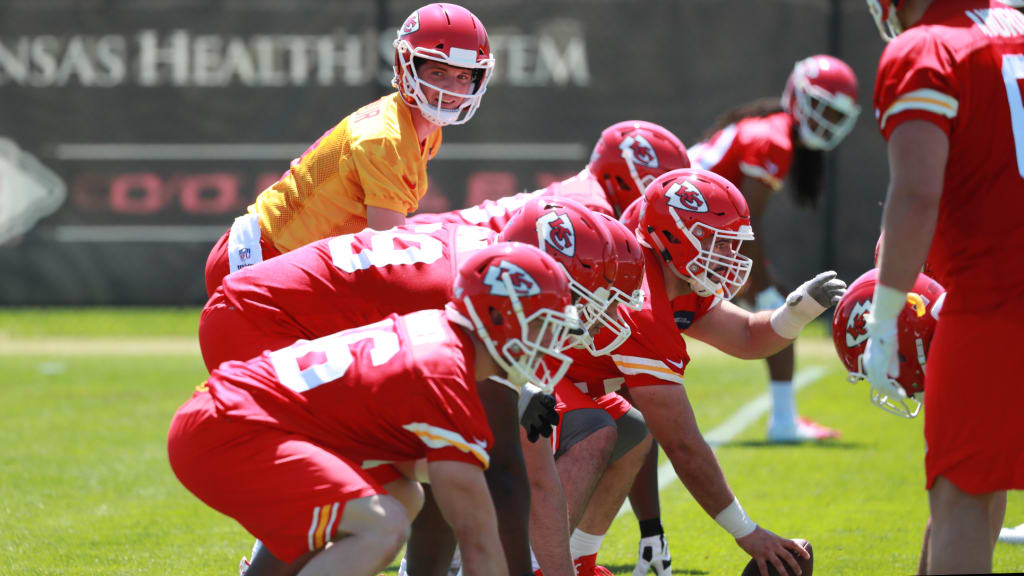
[{"x": 85, "y": 487}]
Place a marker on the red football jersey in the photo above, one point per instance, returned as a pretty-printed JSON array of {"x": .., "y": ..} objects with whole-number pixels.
[
  {"x": 961, "y": 68},
  {"x": 655, "y": 352},
  {"x": 397, "y": 390},
  {"x": 494, "y": 214},
  {"x": 757, "y": 147},
  {"x": 347, "y": 281}
]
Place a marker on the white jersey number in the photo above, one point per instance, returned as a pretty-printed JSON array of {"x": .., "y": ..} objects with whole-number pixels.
[
  {"x": 308, "y": 364},
  {"x": 383, "y": 252},
  {"x": 1013, "y": 73}
]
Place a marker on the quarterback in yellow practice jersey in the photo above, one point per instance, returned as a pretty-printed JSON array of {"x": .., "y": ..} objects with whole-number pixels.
[{"x": 370, "y": 170}]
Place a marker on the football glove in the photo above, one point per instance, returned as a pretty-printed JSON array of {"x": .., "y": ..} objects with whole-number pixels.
[{"x": 536, "y": 412}]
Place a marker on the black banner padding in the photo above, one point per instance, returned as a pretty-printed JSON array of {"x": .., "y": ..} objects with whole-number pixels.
[{"x": 131, "y": 138}]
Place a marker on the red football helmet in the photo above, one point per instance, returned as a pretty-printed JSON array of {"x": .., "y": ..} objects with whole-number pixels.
[
  {"x": 630, "y": 155},
  {"x": 627, "y": 290},
  {"x": 884, "y": 13},
  {"x": 821, "y": 94},
  {"x": 574, "y": 236},
  {"x": 916, "y": 324},
  {"x": 926, "y": 269},
  {"x": 517, "y": 300},
  {"x": 452, "y": 35},
  {"x": 696, "y": 221}
]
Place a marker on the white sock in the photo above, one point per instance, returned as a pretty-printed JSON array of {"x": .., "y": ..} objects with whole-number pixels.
[
  {"x": 783, "y": 401},
  {"x": 583, "y": 544},
  {"x": 533, "y": 561}
]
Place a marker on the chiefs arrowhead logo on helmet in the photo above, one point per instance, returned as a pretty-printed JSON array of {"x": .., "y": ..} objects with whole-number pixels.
[
  {"x": 856, "y": 327},
  {"x": 643, "y": 152},
  {"x": 522, "y": 282},
  {"x": 411, "y": 25},
  {"x": 556, "y": 229},
  {"x": 686, "y": 197}
]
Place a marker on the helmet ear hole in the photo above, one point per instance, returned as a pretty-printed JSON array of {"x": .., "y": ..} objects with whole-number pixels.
[
  {"x": 496, "y": 317},
  {"x": 623, "y": 185}
]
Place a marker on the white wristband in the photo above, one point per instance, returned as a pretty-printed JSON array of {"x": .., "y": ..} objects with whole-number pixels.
[
  {"x": 888, "y": 302},
  {"x": 735, "y": 520},
  {"x": 788, "y": 320}
]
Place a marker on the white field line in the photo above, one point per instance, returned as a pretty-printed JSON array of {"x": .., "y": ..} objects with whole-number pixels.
[
  {"x": 735, "y": 425},
  {"x": 125, "y": 346}
]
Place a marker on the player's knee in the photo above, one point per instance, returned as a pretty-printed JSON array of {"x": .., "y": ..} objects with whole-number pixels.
[
  {"x": 379, "y": 520},
  {"x": 393, "y": 527},
  {"x": 409, "y": 493}
]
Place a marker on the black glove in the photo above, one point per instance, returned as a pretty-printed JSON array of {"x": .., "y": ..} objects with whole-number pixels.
[{"x": 536, "y": 412}]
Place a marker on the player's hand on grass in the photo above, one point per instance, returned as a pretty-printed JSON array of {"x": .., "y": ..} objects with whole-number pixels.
[
  {"x": 767, "y": 548},
  {"x": 653, "y": 555}
]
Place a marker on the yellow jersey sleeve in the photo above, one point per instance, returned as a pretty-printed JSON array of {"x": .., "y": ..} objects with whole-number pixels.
[{"x": 371, "y": 158}]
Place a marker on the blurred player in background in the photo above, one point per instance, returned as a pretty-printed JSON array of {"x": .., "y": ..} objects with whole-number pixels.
[
  {"x": 371, "y": 169},
  {"x": 692, "y": 224},
  {"x": 756, "y": 147},
  {"x": 948, "y": 102},
  {"x": 306, "y": 423}
]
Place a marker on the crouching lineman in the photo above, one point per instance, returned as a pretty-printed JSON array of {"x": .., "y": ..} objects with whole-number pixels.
[
  {"x": 691, "y": 224},
  {"x": 627, "y": 157},
  {"x": 347, "y": 281},
  {"x": 318, "y": 431}
]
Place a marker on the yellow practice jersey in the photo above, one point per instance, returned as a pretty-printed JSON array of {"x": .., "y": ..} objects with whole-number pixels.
[{"x": 371, "y": 158}]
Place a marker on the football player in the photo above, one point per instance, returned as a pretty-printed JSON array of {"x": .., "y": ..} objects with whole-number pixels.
[
  {"x": 756, "y": 147},
  {"x": 370, "y": 170},
  {"x": 628, "y": 156},
  {"x": 346, "y": 281},
  {"x": 692, "y": 224},
  {"x": 326, "y": 426},
  {"x": 948, "y": 102}
]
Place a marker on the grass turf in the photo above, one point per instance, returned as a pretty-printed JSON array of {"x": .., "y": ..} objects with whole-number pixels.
[{"x": 86, "y": 487}]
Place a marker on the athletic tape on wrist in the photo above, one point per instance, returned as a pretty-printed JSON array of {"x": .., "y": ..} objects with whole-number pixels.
[
  {"x": 735, "y": 520},
  {"x": 888, "y": 303},
  {"x": 788, "y": 321}
]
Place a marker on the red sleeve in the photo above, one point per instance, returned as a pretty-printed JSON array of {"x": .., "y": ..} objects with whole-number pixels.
[
  {"x": 915, "y": 82},
  {"x": 767, "y": 151}
]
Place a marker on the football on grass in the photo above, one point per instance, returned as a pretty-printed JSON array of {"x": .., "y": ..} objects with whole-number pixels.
[{"x": 807, "y": 565}]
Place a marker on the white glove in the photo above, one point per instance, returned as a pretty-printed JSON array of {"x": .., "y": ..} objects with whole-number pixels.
[
  {"x": 654, "y": 555},
  {"x": 806, "y": 303},
  {"x": 879, "y": 361}
]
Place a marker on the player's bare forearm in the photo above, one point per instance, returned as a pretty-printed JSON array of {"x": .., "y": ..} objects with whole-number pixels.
[
  {"x": 738, "y": 333},
  {"x": 549, "y": 515},
  {"x": 909, "y": 224},
  {"x": 464, "y": 499},
  {"x": 506, "y": 475},
  {"x": 697, "y": 467},
  {"x": 918, "y": 151},
  {"x": 670, "y": 418}
]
